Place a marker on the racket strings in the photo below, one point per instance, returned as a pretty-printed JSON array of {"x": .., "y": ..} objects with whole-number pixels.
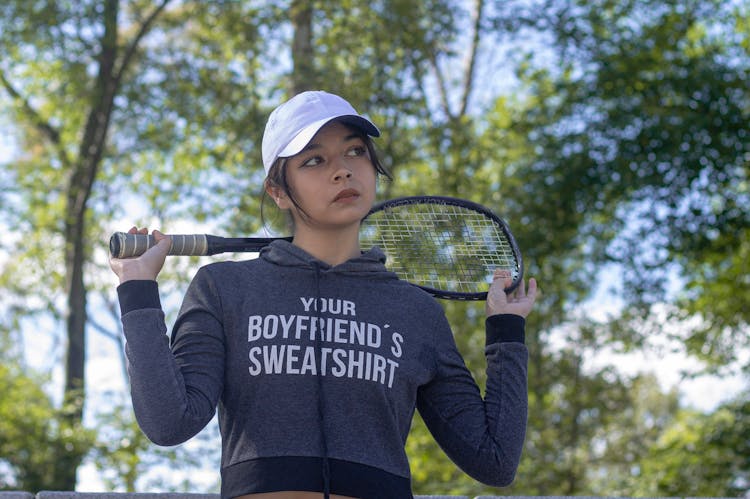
[{"x": 441, "y": 246}]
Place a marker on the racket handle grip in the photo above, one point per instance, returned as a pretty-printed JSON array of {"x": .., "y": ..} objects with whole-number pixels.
[{"x": 124, "y": 245}]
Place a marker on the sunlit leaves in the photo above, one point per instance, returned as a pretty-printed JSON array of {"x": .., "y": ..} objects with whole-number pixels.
[
  {"x": 699, "y": 455},
  {"x": 33, "y": 434},
  {"x": 620, "y": 135}
]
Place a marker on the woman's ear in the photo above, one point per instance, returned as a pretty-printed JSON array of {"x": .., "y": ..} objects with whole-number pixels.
[{"x": 278, "y": 195}]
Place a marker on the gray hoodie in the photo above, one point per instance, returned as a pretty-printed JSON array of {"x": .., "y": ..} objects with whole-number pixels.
[{"x": 316, "y": 371}]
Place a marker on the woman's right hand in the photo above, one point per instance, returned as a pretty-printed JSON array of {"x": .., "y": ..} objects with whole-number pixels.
[
  {"x": 148, "y": 265},
  {"x": 519, "y": 302}
]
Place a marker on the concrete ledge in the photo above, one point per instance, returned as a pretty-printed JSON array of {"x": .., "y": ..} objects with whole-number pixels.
[
  {"x": 144, "y": 495},
  {"x": 121, "y": 495},
  {"x": 177, "y": 495}
]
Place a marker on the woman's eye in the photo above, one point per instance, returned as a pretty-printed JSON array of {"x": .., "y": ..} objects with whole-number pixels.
[
  {"x": 314, "y": 161},
  {"x": 357, "y": 151}
]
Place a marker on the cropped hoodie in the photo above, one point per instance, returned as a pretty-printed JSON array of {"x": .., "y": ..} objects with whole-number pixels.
[{"x": 316, "y": 371}]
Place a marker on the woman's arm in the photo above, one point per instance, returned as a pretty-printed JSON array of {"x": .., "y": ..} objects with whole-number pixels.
[
  {"x": 174, "y": 391},
  {"x": 484, "y": 436}
]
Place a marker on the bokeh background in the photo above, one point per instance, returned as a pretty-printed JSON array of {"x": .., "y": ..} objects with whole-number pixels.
[{"x": 612, "y": 135}]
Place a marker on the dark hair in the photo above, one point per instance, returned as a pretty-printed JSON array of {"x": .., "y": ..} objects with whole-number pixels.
[{"x": 277, "y": 175}]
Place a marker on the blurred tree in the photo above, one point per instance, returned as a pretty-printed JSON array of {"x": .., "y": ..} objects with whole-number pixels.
[
  {"x": 74, "y": 144},
  {"x": 34, "y": 434},
  {"x": 619, "y": 448},
  {"x": 700, "y": 455},
  {"x": 127, "y": 461},
  {"x": 643, "y": 126},
  {"x": 103, "y": 99},
  {"x": 621, "y": 115},
  {"x": 638, "y": 128}
]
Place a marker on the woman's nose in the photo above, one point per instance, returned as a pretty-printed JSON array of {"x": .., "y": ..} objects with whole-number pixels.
[{"x": 342, "y": 172}]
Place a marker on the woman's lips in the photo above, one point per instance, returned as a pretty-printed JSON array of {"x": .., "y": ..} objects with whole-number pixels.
[{"x": 346, "y": 195}]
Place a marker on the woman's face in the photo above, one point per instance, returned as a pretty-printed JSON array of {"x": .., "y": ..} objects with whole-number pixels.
[{"x": 332, "y": 178}]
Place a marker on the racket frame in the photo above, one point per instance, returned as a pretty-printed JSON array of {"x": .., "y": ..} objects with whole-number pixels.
[{"x": 462, "y": 203}]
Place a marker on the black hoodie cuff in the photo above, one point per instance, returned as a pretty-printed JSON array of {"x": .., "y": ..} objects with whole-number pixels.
[
  {"x": 503, "y": 328},
  {"x": 137, "y": 294}
]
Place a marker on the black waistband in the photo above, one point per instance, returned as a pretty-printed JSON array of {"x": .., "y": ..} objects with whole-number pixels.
[{"x": 272, "y": 474}]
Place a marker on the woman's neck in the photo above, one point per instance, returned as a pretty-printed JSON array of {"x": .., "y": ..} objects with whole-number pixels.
[{"x": 331, "y": 247}]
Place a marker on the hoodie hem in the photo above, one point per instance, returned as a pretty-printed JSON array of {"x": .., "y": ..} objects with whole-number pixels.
[{"x": 274, "y": 474}]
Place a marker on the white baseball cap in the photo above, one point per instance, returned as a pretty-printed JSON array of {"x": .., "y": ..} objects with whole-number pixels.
[{"x": 293, "y": 124}]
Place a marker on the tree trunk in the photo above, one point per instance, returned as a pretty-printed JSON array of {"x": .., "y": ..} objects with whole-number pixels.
[
  {"x": 80, "y": 184},
  {"x": 303, "y": 73},
  {"x": 79, "y": 188}
]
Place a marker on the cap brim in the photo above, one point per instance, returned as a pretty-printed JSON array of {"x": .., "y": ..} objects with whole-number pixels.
[{"x": 306, "y": 134}]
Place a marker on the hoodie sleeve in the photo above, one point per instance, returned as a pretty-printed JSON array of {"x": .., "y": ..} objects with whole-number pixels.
[
  {"x": 484, "y": 437},
  {"x": 174, "y": 389}
]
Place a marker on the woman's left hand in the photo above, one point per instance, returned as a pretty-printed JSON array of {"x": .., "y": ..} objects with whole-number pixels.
[{"x": 519, "y": 302}]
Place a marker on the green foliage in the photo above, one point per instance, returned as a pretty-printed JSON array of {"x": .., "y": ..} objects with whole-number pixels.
[
  {"x": 646, "y": 126},
  {"x": 126, "y": 460},
  {"x": 632, "y": 428},
  {"x": 700, "y": 455},
  {"x": 620, "y": 136},
  {"x": 34, "y": 434}
]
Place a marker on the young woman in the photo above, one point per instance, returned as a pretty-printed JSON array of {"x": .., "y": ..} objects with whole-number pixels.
[{"x": 314, "y": 353}]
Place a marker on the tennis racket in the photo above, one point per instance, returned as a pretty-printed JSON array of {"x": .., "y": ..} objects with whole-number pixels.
[{"x": 447, "y": 246}]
